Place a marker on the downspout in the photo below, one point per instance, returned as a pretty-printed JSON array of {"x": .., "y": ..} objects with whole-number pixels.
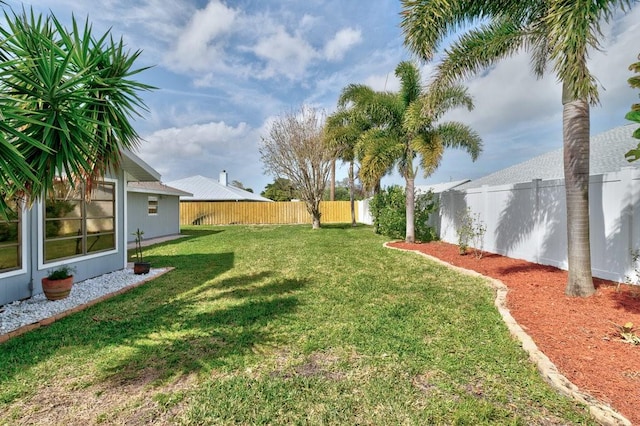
[
  {"x": 125, "y": 222},
  {"x": 30, "y": 236}
]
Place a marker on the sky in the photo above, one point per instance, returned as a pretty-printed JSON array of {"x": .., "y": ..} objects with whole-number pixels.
[{"x": 224, "y": 70}]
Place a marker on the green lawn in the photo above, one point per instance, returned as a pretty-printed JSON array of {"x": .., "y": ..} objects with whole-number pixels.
[{"x": 282, "y": 324}]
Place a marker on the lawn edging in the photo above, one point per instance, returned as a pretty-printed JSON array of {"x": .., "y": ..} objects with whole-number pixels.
[
  {"x": 59, "y": 316},
  {"x": 601, "y": 412}
]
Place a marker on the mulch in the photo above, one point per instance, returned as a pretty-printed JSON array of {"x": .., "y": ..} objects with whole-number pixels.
[{"x": 579, "y": 335}]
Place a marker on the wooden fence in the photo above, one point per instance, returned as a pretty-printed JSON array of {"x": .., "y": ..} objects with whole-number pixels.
[{"x": 249, "y": 212}]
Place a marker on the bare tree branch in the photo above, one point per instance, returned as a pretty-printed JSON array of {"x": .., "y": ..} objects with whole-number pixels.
[{"x": 294, "y": 149}]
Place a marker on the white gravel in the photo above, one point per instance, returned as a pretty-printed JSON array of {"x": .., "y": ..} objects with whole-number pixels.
[{"x": 16, "y": 314}]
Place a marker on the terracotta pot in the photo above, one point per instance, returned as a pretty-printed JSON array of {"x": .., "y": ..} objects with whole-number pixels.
[
  {"x": 140, "y": 268},
  {"x": 57, "y": 289}
]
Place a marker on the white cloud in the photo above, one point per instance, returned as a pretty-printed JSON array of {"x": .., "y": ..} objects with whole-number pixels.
[
  {"x": 201, "y": 43},
  {"x": 307, "y": 22},
  {"x": 284, "y": 54},
  {"x": 509, "y": 95},
  {"x": 339, "y": 45},
  {"x": 383, "y": 82},
  {"x": 205, "y": 149}
]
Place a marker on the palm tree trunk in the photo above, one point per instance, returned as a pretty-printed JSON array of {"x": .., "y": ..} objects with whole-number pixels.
[
  {"x": 351, "y": 191},
  {"x": 575, "y": 118},
  {"x": 410, "y": 208},
  {"x": 332, "y": 186}
]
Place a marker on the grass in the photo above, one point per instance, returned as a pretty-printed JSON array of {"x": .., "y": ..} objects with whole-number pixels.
[{"x": 282, "y": 324}]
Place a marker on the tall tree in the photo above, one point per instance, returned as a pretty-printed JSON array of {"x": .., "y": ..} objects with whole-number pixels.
[
  {"x": 68, "y": 99},
  {"x": 634, "y": 114},
  {"x": 280, "y": 189},
  {"x": 343, "y": 130},
  {"x": 407, "y": 127},
  {"x": 557, "y": 34},
  {"x": 295, "y": 149},
  {"x": 360, "y": 110}
]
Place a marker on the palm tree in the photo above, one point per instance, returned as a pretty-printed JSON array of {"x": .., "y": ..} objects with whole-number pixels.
[
  {"x": 67, "y": 103},
  {"x": 344, "y": 129},
  {"x": 407, "y": 126},
  {"x": 557, "y": 34},
  {"x": 340, "y": 136}
]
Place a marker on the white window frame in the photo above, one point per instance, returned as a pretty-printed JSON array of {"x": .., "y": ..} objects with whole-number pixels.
[
  {"x": 150, "y": 199},
  {"x": 52, "y": 265}
]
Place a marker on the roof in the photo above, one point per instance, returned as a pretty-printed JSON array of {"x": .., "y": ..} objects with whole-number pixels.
[
  {"x": 155, "y": 188},
  {"x": 138, "y": 169},
  {"x": 440, "y": 187},
  {"x": 207, "y": 189},
  {"x": 607, "y": 154}
]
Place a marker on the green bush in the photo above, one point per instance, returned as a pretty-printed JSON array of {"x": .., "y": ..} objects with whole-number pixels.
[
  {"x": 425, "y": 205},
  {"x": 389, "y": 215}
]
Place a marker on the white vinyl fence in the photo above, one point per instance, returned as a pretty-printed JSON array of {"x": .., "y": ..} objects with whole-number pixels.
[
  {"x": 364, "y": 215},
  {"x": 528, "y": 221}
]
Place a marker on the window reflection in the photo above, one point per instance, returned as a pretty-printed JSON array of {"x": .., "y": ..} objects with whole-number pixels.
[
  {"x": 11, "y": 239},
  {"x": 76, "y": 225}
]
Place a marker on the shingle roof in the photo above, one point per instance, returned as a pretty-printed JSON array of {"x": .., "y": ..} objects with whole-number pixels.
[
  {"x": 440, "y": 187},
  {"x": 207, "y": 189},
  {"x": 155, "y": 188},
  {"x": 606, "y": 155}
]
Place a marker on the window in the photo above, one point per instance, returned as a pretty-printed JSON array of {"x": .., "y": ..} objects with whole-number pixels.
[
  {"x": 76, "y": 225},
  {"x": 11, "y": 239},
  {"x": 153, "y": 205}
]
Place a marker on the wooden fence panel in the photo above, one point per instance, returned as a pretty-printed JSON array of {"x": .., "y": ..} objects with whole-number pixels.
[{"x": 249, "y": 213}]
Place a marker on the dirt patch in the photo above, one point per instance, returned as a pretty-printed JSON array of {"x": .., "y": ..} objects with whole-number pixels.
[
  {"x": 134, "y": 402},
  {"x": 577, "y": 334},
  {"x": 318, "y": 364}
]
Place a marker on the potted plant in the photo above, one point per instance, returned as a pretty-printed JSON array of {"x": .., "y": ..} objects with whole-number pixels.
[
  {"x": 140, "y": 266},
  {"x": 57, "y": 284}
]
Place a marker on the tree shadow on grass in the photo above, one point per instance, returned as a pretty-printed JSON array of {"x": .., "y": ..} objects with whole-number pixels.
[
  {"x": 184, "y": 338},
  {"x": 124, "y": 313},
  {"x": 182, "y": 322},
  {"x": 341, "y": 226},
  {"x": 192, "y": 232}
]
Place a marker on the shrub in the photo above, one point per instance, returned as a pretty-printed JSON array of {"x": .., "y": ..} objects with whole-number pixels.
[
  {"x": 425, "y": 205},
  {"x": 389, "y": 214},
  {"x": 471, "y": 230},
  {"x": 388, "y": 210}
]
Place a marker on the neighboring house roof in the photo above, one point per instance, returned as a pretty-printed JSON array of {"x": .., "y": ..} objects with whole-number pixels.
[
  {"x": 440, "y": 187},
  {"x": 137, "y": 169},
  {"x": 607, "y": 154},
  {"x": 155, "y": 188},
  {"x": 207, "y": 189}
]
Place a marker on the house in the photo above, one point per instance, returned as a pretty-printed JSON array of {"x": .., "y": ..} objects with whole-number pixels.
[
  {"x": 153, "y": 208},
  {"x": 523, "y": 207},
  {"x": 67, "y": 228},
  {"x": 607, "y": 154},
  {"x": 207, "y": 189}
]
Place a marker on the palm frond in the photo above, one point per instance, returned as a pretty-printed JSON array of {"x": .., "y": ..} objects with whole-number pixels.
[
  {"x": 68, "y": 99},
  {"x": 479, "y": 49}
]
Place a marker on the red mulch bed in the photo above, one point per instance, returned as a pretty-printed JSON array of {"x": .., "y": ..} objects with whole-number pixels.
[{"x": 577, "y": 334}]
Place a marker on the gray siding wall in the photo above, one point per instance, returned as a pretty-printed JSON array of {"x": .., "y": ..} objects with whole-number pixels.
[
  {"x": 165, "y": 222},
  {"x": 28, "y": 283}
]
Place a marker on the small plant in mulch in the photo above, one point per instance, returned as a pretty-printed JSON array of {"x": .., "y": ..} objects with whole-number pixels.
[
  {"x": 634, "y": 279},
  {"x": 471, "y": 230},
  {"x": 627, "y": 333}
]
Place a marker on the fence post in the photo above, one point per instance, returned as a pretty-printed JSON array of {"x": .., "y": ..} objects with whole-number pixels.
[
  {"x": 627, "y": 214},
  {"x": 535, "y": 189}
]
